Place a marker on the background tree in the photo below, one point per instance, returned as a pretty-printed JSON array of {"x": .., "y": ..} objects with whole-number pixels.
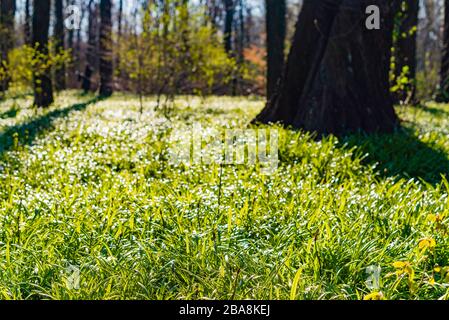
[
  {"x": 229, "y": 23},
  {"x": 429, "y": 48},
  {"x": 92, "y": 47},
  {"x": 59, "y": 43},
  {"x": 276, "y": 32},
  {"x": 7, "y": 12},
  {"x": 444, "y": 73},
  {"x": 43, "y": 90},
  {"x": 27, "y": 22},
  {"x": 119, "y": 33},
  {"x": 87, "y": 7},
  {"x": 405, "y": 46},
  {"x": 106, "y": 58},
  {"x": 336, "y": 79}
]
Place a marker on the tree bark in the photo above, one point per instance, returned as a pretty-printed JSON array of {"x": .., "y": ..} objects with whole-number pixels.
[
  {"x": 444, "y": 72},
  {"x": 79, "y": 35},
  {"x": 405, "y": 49},
  {"x": 60, "y": 81},
  {"x": 43, "y": 90},
  {"x": 120, "y": 18},
  {"x": 27, "y": 25},
  {"x": 119, "y": 26},
  {"x": 336, "y": 79},
  {"x": 7, "y": 12},
  {"x": 106, "y": 69},
  {"x": 276, "y": 32},
  {"x": 239, "y": 45},
  {"x": 91, "y": 51},
  {"x": 229, "y": 23}
]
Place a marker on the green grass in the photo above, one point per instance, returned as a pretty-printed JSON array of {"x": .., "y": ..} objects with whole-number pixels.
[{"x": 87, "y": 185}]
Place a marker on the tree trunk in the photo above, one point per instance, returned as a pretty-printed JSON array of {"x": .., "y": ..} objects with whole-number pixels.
[
  {"x": 60, "y": 81},
  {"x": 239, "y": 46},
  {"x": 119, "y": 34},
  {"x": 27, "y": 25},
  {"x": 106, "y": 68},
  {"x": 73, "y": 66},
  {"x": 7, "y": 12},
  {"x": 120, "y": 18},
  {"x": 229, "y": 23},
  {"x": 276, "y": 33},
  {"x": 91, "y": 52},
  {"x": 444, "y": 73},
  {"x": 79, "y": 36},
  {"x": 336, "y": 79},
  {"x": 43, "y": 91},
  {"x": 405, "y": 49}
]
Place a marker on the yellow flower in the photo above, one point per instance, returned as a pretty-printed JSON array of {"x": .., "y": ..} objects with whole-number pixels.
[
  {"x": 401, "y": 264},
  {"x": 434, "y": 218},
  {"x": 437, "y": 269},
  {"x": 374, "y": 296},
  {"x": 427, "y": 243},
  {"x": 403, "y": 267},
  {"x": 432, "y": 281}
]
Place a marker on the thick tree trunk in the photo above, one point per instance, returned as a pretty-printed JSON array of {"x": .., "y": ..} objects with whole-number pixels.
[
  {"x": 7, "y": 11},
  {"x": 336, "y": 79},
  {"x": 276, "y": 32},
  {"x": 60, "y": 81},
  {"x": 106, "y": 69},
  {"x": 405, "y": 49},
  {"x": 43, "y": 91},
  {"x": 444, "y": 73}
]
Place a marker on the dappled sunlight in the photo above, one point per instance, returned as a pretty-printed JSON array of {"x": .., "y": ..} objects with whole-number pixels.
[{"x": 96, "y": 187}]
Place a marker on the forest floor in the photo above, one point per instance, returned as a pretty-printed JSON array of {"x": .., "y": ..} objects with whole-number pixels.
[{"x": 92, "y": 208}]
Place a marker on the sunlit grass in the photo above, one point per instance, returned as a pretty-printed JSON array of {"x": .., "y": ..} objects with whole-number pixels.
[{"x": 90, "y": 188}]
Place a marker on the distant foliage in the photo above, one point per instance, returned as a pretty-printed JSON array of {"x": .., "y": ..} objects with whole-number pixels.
[
  {"x": 173, "y": 50},
  {"x": 24, "y": 60}
]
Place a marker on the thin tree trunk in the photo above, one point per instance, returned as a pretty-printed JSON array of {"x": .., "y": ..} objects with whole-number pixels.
[
  {"x": 72, "y": 69},
  {"x": 91, "y": 58},
  {"x": 7, "y": 11},
  {"x": 27, "y": 26},
  {"x": 106, "y": 69},
  {"x": 444, "y": 73},
  {"x": 43, "y": 90},
  {"x": 239, "y": 44},
  {"x": 336, "y": 77},
  {"x": 78, "y": 34},
  {"x": 60, "y": 81},
  {"x": 229, "y": 23},
  {"x": 119, "y": 36},
  {"x": 276, "y": 32},
  {"x": 405, "y": 53},
  {"x": 120, "y": 17}
]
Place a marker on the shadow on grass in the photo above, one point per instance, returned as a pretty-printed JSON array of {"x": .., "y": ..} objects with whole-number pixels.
[
  {"x": 27, "y": 132},
  {"x": 11, "y": 113},
  {"x": 436, "y": 111},
  {"x": 401, "y": 155}
]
